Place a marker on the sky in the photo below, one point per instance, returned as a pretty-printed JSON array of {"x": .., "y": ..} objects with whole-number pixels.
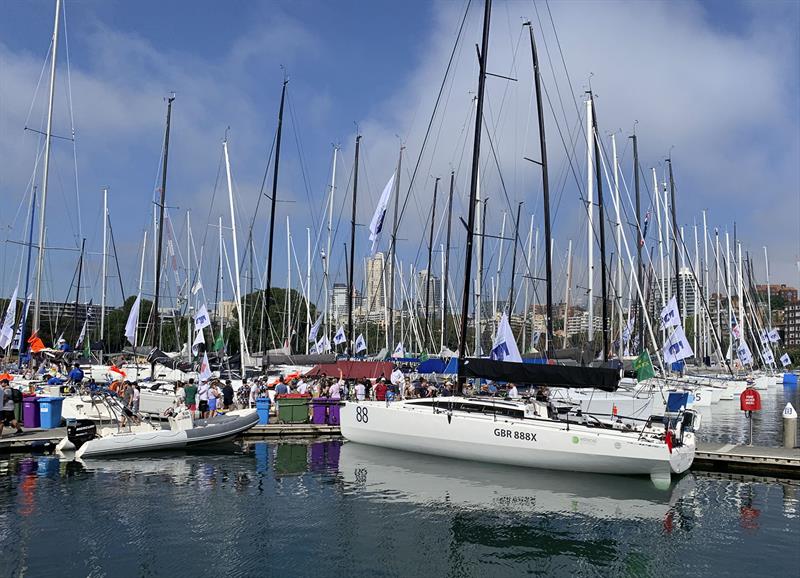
[{"x": 713, "y": 84}]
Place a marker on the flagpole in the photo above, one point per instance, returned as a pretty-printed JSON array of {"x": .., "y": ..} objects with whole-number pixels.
[
  {"x": 349, "y": 335},
  {"x": 22, "y": 341},
  {"x": 105, "y": 269},
  {"x": 308, "y": 285}
]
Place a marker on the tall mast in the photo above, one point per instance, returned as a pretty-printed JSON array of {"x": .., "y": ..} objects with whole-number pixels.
[
  {"x": 267, "y": 296},
  {"x": 288, "y": 283},
  {"x": 527, "y": 287},
  {"x": 674, "y": 234},
  {"x": 352, "y": 253},
  {"x": 328, "y": 314},
  {"x": 706, "y": 281},
  {"x": 514, "y": 262},
  {"x": 78, "y": 289},
  {"x": 428, "y": 273},
  {"x": 189, "y": 320},
  {"x": 446, "y": 273},
  {"x": 566, "y": 291},
  {"x": 22, "y": 340},
  {"x": 639, "y": 273},
  {"x": 243, "y": 351},
  {"x": 308, "y": 285},
  {"x": 221, "y": 285},
  {"x": 46, "y": 175},
  {"x": 769, "y": 289},
  {"x": 618, "y": 226},
  {"x": 590, "y": 220},
  {"x": 160, "y": 241},
  {"x": 548, "y": 256},
  {"x": 602, "y": 219},
  {"x": 393, "y": 252},
  {"x": 473, "y": 187},
  {"x": 105, "y": 264}
]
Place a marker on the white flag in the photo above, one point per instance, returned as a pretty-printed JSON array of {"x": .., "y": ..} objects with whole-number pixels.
[
  {"x": 504, "y": 347},
  {"x": 323, "y": 345},
  {"x": 196, "y": 287},
  {"x": 361, "y": 343},
  {"x": 677, "y": 346},
  {"x": 774, "y": 336},
  {"x": 201, "y": 318},
  {"x": 376, "y": 225},
  {"x": 670, "y": 315},
  {"x": 626, "y": 332},
  {"x": 399, "y": 351},
  {"x": 312, "y": 334},
  {"x": 339, "y": 337},
  {"x": 535, "y": 339},
  {"x": 769, "y": 359},
  {"x": 205, "y": 369},
  {"x": 198, "y": 339},
  {"x": 312, "y": 349},
  {"x": 133, "y": 321},
  {"x": 764, "y": 337},
  {"x": 82, "y": 336},
  {"x": 744, "y": 354},
  {"x": 786, "y": 360},
  {"x": 396, "y": 377},
  {"x": 7, "y": 330}
]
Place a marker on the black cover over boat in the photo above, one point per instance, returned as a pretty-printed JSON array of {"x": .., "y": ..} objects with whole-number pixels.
[
  {"x": 271, "y": 359},
  {"x": 539, "y": 374},
  {"x": 158, "y": 356}
]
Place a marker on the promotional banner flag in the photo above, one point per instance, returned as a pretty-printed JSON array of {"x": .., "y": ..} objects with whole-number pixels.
[
  {"x": 768, "y": 357},
  {"x": 774, "y": 336},
  {"x": 399, "y": 351},
  {"x": 677, "y": 346},
  {"x": 205, "y": 369},
  {"x": 735, "y": 327},
  {"x": 670, "y": 315},
  {"x": 18, "y": 334},
  {"x": 361, "y": 343},
  {"x": 198, "y": 339},
  {"x": 744, "y": 354},
  {"x": 376, "y": 224},
  {"x": 643, "y": 366},
  {"x": 764, "y": 337},
  {"x": 505, "y": 347},
  {"x": 786, "y": 360},
  {"x": 323, "y": 344},
  {"x": 201, "y": 319},
  {"x": 312, "y": 334},
  {"x": 7, "y": 329},
  {"x": 339, "y": 338}
]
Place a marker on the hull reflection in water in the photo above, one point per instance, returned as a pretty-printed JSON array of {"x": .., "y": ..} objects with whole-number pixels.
[{"x": 423, "y": 479}]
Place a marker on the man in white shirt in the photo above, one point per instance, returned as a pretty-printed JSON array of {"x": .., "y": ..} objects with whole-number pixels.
[
  {"x": 302, "y": 387},
  {"x": 335, "y": 391},
  {"x": 512, "y": 391},
  {"x": 361, "y": 391},
  {"x": 202, "y": 396}
]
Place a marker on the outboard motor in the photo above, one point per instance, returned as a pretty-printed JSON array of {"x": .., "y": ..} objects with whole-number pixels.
[{"x": 81, "y": 431}]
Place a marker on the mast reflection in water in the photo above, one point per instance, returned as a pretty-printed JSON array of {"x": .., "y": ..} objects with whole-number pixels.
[{"x": 329, "y": 508}]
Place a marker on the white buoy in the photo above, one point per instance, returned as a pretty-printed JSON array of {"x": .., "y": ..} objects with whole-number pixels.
[{"x": 789, "y": 426}]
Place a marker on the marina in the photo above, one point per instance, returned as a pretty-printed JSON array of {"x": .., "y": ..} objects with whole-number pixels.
[{"x": 468, "y": 288}]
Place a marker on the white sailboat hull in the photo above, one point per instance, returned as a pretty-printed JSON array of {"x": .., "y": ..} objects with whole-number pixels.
[{"x": 536, "y": 443}]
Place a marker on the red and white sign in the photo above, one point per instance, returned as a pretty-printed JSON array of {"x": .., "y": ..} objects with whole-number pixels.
[{"x": 750, "y": 400}]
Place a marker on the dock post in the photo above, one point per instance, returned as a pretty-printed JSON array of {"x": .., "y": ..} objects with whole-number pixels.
[{"x": 789, "y": 426}]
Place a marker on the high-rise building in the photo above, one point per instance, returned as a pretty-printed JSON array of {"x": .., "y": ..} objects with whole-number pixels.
[
  {"x": 434, "y": 291},
  {"x": 338, "y": 300},
  {"x": 688, "y": 293},
  {"x": 375, "y": 298}
]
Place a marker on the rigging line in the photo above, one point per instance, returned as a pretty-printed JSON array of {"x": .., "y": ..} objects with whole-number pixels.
[
  {"x": 213, "y": 198},
  {"x": 72, "y": 124},
  {"x": 301, "y": 155},
  {"x": 260, "y": 193},
  {"x": 430, "y": 123},
  {"x": 39, "y": 82}
]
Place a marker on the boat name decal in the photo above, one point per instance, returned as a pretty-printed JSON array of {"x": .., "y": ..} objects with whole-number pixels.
[{"x": 513, "y": 434}]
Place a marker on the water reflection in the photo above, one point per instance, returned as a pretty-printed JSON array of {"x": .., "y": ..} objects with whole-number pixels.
[{"x": 363, "y": 510}]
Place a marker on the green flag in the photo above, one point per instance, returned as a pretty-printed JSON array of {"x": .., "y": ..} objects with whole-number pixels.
[
  {"x": 424, "y": 356},
  {"x": 87, "y": 350},
  {"x": 218, "y": 343},
  {"x": 643, "y": 366}
]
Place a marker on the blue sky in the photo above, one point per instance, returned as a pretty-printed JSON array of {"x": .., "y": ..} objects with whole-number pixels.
[{"x": 718, "y": 81}]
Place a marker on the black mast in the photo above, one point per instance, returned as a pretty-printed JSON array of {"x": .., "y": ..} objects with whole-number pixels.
[
  {"x": 446, "y": 272},
  {"x": 602, "y": 218},
  {"x": 428, "y": 274},
  {"x": 352, "y": 254},
  {"x": 267, "y": 297},
  {"x": 514, "y": 263},
  {"x": 159, "y": 246},
  {"x": 678, "y": 295},
  {"x": 640, "y": 316},
  {"x": 473, "y": 188},
  {"x": 393, "y": 250},
  {"x": 78, "y": 290},
  {"x": 548, "y": 259}
]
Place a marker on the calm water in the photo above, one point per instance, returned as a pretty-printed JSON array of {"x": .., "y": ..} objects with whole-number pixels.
[{"x": 333, "y": 509}]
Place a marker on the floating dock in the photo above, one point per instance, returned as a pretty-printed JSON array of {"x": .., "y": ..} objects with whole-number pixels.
[{"x": 750, "y": 460}]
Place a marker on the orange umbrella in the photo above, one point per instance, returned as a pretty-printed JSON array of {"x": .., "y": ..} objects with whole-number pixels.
[{"x": 7, "y": 376}]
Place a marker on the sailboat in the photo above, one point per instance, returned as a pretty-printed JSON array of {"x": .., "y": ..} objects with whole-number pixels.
[{"x": 530, "y": 433}]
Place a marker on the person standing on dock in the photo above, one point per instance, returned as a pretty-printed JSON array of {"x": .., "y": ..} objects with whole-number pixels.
[
  {"x": 202, "y": 397},
  {"x": 227, "y": 395},
  {"x": 7, "y": 405}
]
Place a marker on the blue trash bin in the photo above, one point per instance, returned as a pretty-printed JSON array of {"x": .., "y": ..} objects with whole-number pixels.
[
  {"x": 789, "y": 379},
  {"x": 262, "y": 408},
  {"x": 50, "y": 412}
]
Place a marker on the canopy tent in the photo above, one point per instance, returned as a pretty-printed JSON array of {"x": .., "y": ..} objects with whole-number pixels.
[
  {"x": 536, "y": 374},
  {"x": 432, "y": 365},
  {"x": 353, "y": 369}
]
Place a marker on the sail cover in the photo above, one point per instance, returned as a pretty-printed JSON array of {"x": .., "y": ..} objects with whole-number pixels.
[{"x": 535, "y": 374}]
